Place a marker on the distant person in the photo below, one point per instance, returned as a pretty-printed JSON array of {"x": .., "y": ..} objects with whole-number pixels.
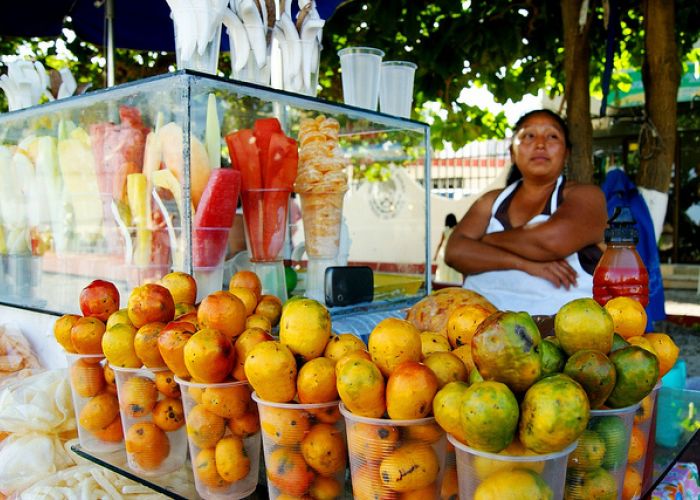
[
  {"x": 444, "y": 273},
  {"x": 533, "y": 245}
]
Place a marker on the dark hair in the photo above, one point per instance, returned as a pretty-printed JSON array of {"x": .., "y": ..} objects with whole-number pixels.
[
  {"x": 450, "y": 220},
  {"x": 514, "y": 174}
]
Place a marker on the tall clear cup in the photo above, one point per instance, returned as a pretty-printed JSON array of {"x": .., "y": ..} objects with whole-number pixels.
[
  {"x": 361, "y": 68},
  {"x": 396, "y": 88}
]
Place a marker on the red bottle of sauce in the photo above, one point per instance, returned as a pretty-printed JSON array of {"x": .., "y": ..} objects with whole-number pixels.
[{"x": 621, "y": 270}]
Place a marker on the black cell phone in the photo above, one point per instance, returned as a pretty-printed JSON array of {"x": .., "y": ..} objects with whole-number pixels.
[{"x": 347, "y": 285}]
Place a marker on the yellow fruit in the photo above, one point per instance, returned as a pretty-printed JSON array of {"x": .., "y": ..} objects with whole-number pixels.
[
  {"x": 305, "y": 327},
  {"x": 666, "y": 351},
  {"x": 232, "y": 462},
  {"x": 87, "y": 379},
  {"x": 230, "y": 401},
  {"x": 99, "y": 412},
  {"x": 432, "y": 312},
  {"x": 628, "y": 315},
  {"x": 447, "y": 408},
  {"x": 146, "y": 345},
  {"x": 410, "y": 391},
  {"x": 118, "y": 346},
  {"x": 361, "y": 387},
  {"x": 182, "y": 287},
  {"x": 342, "y": 344},
  {"x": 62, "y": 328},
  {"x": 409, "y": 467},
  {"x": 168, "y": 414},
  {"x": 258, "y": 321},
  {"x": 447, "y": 367},
  {"x": 284, "y": 426},
  {"x": 464, "y": 353},
  {"x": 432, "y": 342},
  {"x": 316, "y": 381},
  {"x": 147, "y": 445},
  {"x": 584, "y": 324},
  {"x": 323, "y": 449},
  {"x": 205, "y": 468},
  {"x": 513, "y": 485},
  {"x": 204, "y": 428},
  {"x": 638, "y": 445},
  {"x": 392, "y": 342},
  {"x": 272, "y": 371},
  {"x": 486, "y": 467},
  {"x": 119, "y": 316},
  {"x": 247, "y": 296},
  {"x": 138, "y": 396},
  {"x": 632, "y": 485},
  {"x": 325, "y": 488},
  {"x": 643, "y": 342},
  {"x": 464, "y": 321}
]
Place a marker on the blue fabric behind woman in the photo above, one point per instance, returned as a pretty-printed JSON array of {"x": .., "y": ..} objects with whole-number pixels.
[{"x": 621, "y": 191}]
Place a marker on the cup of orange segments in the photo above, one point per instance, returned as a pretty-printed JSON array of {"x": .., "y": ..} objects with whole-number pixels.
[
  {"x": 95, "y": 403},
  {"x": 153, "y": 421},
  {"x": 304, "y": 448},
  {"x": 223, "y": 433}
]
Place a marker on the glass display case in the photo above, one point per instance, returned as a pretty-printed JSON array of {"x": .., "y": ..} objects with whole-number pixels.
[{"x": 113, "y": 185}]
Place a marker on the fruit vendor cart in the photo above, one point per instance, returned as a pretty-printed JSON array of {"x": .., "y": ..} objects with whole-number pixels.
[{"x": 128, "y": 184}]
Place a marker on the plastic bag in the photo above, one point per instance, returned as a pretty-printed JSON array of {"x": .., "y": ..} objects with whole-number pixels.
[
  {"x": 39, "y": 403},
  {"x": 15, "y": 352}
]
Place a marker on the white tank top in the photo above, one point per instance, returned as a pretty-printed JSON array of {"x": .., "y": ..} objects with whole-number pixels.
[{"x": 513, "y": 290}]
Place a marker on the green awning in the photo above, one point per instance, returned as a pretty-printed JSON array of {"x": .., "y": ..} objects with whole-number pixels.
[{"x": 688, "y": 90}]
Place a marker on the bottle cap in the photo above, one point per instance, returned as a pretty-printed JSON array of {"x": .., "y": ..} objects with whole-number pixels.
[{"x": 622, "y": 227}]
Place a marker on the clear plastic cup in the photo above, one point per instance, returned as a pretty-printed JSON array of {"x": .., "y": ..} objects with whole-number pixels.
[
  {"x": 95, "y": 402},
  {"x": 525, "y": 472},
  {"x": 360, "y": 71},
  {"x": 601, "y": 455},
  {"x": 223, "y": 432},
  {"x": 197, "y": 39},
  {"x": 153, "y": 422},
  {"x": 304, "y": 448},
  {"x": 296, "y": 68},
  {"x": 209, "y": 248},
  {"x": 643, "y": 421},
  {"x": 254, "y": 64},
  {"x": 322, "y": 213},
  {"x": 395, "y": 457},
  {"x": 265, "y": 215},
  {"x": 396, "y": 88}
]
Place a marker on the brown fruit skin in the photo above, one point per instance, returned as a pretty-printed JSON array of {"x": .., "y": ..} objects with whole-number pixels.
[
  {"x": 99, "y": 300},
  {"x": 410, "y": 391},
  {"x": 171, "y": 344},
  {"x": 150, "y": 303}
]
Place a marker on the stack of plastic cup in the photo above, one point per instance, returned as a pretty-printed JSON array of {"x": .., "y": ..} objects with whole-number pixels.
[
  {"x": 153, "y": 421},
  {"x": 599, "y": 462},
  {"x": 223, "y": 432},
  {"x": 640, "y": 439},
  {"x": 533, "y": 475},
  {"x": 395, "y": 458},
  {"x": 95, "y": 402},
  {"x": 304, "y": 448}
]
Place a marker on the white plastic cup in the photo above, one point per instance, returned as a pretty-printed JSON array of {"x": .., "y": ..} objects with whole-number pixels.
[
  {"x": 474, "y": 467},
  {"x": 361, "y": 69},
  {"x": 251, "y": 66},
  {"x": 396, "y": 88},
  {"x": 193, "y": 49}
]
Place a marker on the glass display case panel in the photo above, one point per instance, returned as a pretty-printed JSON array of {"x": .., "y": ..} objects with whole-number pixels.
[{"x": 107, "y": 186}]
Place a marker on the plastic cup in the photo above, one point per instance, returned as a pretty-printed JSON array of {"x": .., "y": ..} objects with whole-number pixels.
[
  {"x": 396, "y": 88},
  {"x": 265, "y": 216},
  {"x": 224, "y": 438},
  {"x": 303, "y": 444},
  {"x": 322, "y": 213},
  {"x": 643, "y": 424},
  {"x": 382, "y": 450},
  {"x": 253, "y": 65},
  {"x": 194, "y": 48},
  {"x": 475, "y": 467},
  {"x": 209, "y": 248},
  {"x": 153, "y": 423},
  {"x": 588, "y": 464},
  {"x": 95, "y": 402},
  {"x": 360, "y": 69}
]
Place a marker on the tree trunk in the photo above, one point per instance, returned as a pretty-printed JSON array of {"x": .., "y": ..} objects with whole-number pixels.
[
  {"x": 661, "y": 74},
  {"x": 577, "y": 53}
]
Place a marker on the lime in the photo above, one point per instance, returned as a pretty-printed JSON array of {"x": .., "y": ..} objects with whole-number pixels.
[{"x": 290, "y": 278}]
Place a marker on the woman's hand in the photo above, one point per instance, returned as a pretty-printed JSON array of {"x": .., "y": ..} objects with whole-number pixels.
[{"x": 558, "y": 272}]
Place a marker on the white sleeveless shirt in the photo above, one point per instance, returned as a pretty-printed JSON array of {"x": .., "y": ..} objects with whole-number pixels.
[{"x": 513, "y": 290}]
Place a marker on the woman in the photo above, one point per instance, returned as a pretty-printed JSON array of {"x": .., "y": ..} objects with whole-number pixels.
[{"x": 533, "y": 245}]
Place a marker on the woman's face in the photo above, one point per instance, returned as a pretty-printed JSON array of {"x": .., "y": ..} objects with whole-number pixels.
[{"x": 539, "y": 148}]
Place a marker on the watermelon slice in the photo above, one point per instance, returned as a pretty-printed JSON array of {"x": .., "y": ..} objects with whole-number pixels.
[
  {"x": 263, "y": 129},
  {"x": 243, "y": 151},
  {"x": 282, "y": 162},
  {"x": 214, "y": 217}
]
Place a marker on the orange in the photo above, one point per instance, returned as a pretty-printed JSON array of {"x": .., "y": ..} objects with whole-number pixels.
[
  {"x": 271, "y": 369},
  {"x": 432, "y": 342},
  {"x": 305, "y": 327},
  {"x": 450, "y": 483},
  {"x": 464, "y": 321},
  {"x": 204, "y": 427},
  {"x": 166, "y": 385},
  {"x": 643, "y": 342},
  {"x": 232, "y": 461},
  {"x": 270, "y": 307},
  {"x": 632, "y": 486},
  {"x": 638, "y": 445},
  {"x": 109, "y": 378},
  {"x": 367, "y": 484},
  {"x": 342, "y": 344},
  {"x": 325, "y": 488},
  {"x": 316, "y": 381},
  {"x": 371, "y": 442},
  {"x": 666, "y": 351},
  {"x": 247, "y": 296},
  {"x": 62, "y": 328},
  {"x": 113, "y": 433},
  {"x": 138, "y": 396},
  {"x": 146, "y": 345},
  {"x": 182, "y": 287},
  {"x": 227, "y": 402},
  {"x": 351, "y": 356},
  {"x": 464, "y": 353},
  {"x": 284, "y": 426},
  {"x": 147, "y": 445},
  {"x": 250, "y": 337},
  {"x": 245, "y": 425},
  {"x": 209, "y": 356},
  {"x": 222, "y": 311},
  {"x": 258, "y": 321},
  {"x": 87, "y": 379},
  {"x": 118, "y": 346},
  {"x": 629, "y": 316},
  {"x": 206, "y": 470},
  {"x": 447, "y": 367},
  {"x": 288, "y": 471},
  {"x": 392, "y": 342},
  {"x": 99, "y": 412},
  {"x": 86, "y": 335},
  {"x": 643, "y": 413},
  {"x": 327, "y": 415},
  {"x": 323, "y": 449},
  {"x": 168, "y": 414},
  {"x": 247, "y": 279}
]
